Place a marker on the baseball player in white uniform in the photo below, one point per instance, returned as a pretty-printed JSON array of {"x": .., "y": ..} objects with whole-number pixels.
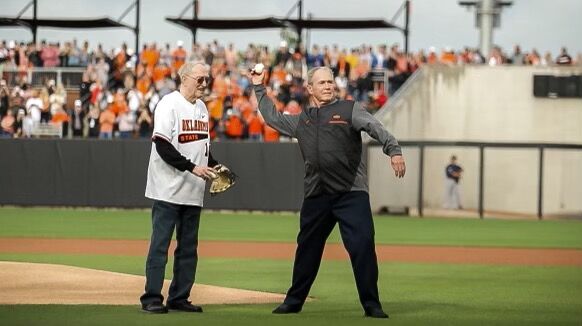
[{"x": 180, "y": 164}]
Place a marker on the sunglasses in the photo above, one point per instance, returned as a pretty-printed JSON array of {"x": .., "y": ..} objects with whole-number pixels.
[{"x": 200, "y": 79}]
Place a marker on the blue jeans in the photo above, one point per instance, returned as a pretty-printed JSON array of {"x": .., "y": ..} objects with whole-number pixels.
[{"x": 165, "y": 218}]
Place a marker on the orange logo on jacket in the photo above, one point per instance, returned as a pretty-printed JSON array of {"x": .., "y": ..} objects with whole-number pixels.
[{"x": 336, "y": 118}]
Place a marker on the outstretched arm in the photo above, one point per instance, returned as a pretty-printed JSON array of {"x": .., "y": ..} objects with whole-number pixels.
[{"x": 362, "y": 120}]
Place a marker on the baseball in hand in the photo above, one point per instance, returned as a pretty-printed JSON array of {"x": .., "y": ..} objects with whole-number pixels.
[{"x": 258, "y": 69}]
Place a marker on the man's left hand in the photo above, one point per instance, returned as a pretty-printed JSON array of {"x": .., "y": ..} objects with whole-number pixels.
[{"x": 398, "y": 165}]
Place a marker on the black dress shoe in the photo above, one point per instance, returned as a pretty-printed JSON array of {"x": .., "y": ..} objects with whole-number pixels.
[
  {"x": 375, "y": 313},
  {"x": 154, "y": 308},
  {"x": 185, "y": 306},
  {"x": 287, "y": 309}
]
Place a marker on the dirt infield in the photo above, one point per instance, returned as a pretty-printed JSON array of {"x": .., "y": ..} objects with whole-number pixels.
[
  {"x": 265, "y": 250},
  {"x": 27, "y": 283}
]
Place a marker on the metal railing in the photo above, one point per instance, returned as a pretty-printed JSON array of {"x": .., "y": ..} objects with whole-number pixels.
[
  {"x": 399, "y": 94},
  {"x": 40, "y": 129},
  {"x": 39, "y": 76},
  {"x": 422, "y": 145}
]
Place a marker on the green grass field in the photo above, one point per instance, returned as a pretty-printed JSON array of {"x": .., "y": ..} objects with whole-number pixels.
[
  {"x": 135, "y": 224},
  {"x": 413, "y": 294}
]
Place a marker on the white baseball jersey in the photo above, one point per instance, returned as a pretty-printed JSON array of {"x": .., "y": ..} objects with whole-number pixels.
[{"x": 185, "y": 126}]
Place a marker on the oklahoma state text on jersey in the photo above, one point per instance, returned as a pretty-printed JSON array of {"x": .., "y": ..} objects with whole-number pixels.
[{"x": 186, "y": 135}]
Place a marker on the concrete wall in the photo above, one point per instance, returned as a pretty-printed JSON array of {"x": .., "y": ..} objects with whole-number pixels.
[{"x": 490, "y": 104}]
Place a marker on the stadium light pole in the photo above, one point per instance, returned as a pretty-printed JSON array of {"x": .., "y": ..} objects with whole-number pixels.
[{"x": 486, "y": 18}]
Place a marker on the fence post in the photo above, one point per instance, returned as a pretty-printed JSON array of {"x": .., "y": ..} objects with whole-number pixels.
[
  {"x": 420, "y": 179},
  {"x": 481, "y": 177},
  {"x": 541, "y": 183},
  {"x": 59, "y": 80}
]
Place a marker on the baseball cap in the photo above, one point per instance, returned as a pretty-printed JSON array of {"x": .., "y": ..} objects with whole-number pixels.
[{"x": 180, "y": 43}]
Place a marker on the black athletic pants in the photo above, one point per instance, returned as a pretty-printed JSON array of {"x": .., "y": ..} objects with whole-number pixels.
[{"x": 318, "y": 218}]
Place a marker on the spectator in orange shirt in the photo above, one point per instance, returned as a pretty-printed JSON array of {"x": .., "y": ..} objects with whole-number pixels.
[
  {"x": 448, "y": 56},
  {"x": 144, "y": 80},
  {"x": 432, "y": 57},
  {"x": 106, "y": 121},
  {"x": 244, "y": 106},
  {"x": 255, "y": 124},
  {"x": 61, "y": 118},
  {"x": 215, "y": 107},
  {"x": 219, "y": 85},
  {"x": 234, "y": 126},
  {"x": 178, "y": 57},
  {"x": 160, "y": 72},
  {"x": 119, "y": 104},
  {"x": 270, "y": 135},
  {"x": 150, "y": 56}
]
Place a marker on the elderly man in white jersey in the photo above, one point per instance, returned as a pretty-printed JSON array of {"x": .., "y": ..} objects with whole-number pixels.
[{"x": 180, "y": 164}]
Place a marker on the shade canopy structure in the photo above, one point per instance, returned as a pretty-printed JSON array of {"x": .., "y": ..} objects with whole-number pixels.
[
  {"x": 298, "y": 24},
  {"x": 341, "y": 24},
  {"x": 274, "y": 22},
  {"x": 228, "y": 24},
  {"x": 63, "y": 23},
  {"x": 103, "y": 22}
]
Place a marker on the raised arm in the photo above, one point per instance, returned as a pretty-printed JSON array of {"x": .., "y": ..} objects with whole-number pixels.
[{"x": 283, "y": 123}]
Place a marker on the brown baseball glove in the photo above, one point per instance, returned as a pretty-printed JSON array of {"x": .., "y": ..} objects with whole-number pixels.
[{"x": 225, "y": 179}]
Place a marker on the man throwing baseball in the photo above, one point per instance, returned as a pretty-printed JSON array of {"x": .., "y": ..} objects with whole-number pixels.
[
  {"x": 180, "y": 164},
  {"x": 336, "y": 190}
]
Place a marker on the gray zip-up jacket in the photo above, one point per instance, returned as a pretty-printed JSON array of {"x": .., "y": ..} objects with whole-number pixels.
[{"x": 330, "y": 140}]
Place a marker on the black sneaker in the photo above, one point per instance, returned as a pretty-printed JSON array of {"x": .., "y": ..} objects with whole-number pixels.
[
  {"x": 375, "y": 313},
  {"x": 287, "y": 309},
  {"x": 154, "y": 308},
  {"x": 185, "y": 306}
]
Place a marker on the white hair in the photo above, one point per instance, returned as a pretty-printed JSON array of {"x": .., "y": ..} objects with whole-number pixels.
[
  {"x": 312, "y": 71},
  {"x": 189, "y": 66}
]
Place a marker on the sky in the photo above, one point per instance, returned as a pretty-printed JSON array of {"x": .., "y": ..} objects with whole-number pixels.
[{"x": 546, "y": 25}]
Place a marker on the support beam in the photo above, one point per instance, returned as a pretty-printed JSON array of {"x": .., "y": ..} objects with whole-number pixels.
[
  {"x": 406, "y": 22},
  {"x": 481, "y": 178},
  {"x": 541, "y": 184},
  {"x": 300, "y": 17},
  {"x": 420, "y": 180},
  {"x": 487, "y": 15},
  {"x": 34, "y": 26},
  {"x": 194, "y": 29},
  {"x": 136, "y": 29}
]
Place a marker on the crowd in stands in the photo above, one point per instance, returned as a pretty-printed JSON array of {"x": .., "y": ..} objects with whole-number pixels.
[{"x": 120, "y": 88}]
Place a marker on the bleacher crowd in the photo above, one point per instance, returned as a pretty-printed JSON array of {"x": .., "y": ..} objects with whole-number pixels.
[{"x": 120, "y": 88}]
